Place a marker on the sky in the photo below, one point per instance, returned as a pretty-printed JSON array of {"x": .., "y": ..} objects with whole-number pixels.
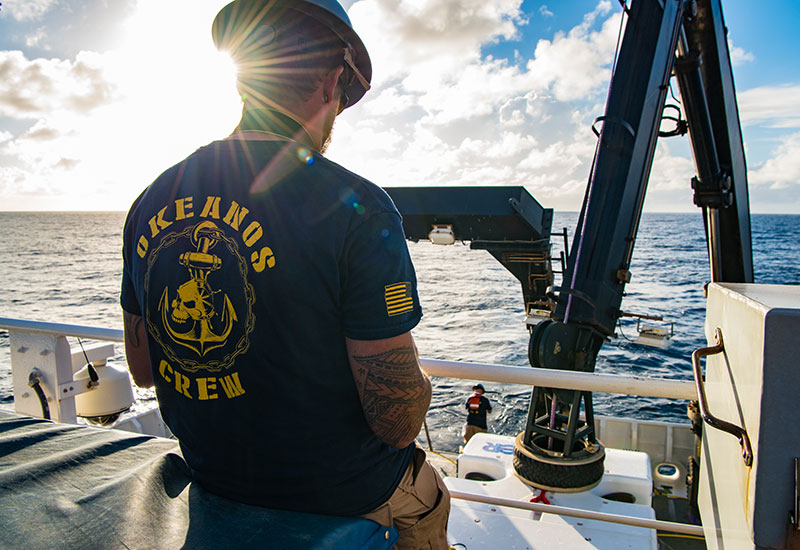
[{"x": 98, "y": 97}]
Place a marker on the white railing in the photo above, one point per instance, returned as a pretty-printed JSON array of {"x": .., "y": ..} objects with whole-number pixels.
[
  {"x": 647, "y": 523},
  {"x": 550, "y": 378},
  {"x": 630, "y": 385},
  {"x": 59, "y": 329}
]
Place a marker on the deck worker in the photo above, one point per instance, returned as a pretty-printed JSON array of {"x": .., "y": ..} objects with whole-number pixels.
[
  {"x": 256, "y": 267},
  {"x": 477, "y": 406}
]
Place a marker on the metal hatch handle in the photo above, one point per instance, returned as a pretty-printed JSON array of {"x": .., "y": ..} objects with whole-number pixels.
[{"x": 708, "y": 418}]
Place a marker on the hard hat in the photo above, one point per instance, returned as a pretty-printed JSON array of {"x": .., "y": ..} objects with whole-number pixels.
[{"x": 328, "y": 12}]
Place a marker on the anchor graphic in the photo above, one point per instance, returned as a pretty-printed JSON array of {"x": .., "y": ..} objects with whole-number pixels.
[{"x": 195, "y": 298}]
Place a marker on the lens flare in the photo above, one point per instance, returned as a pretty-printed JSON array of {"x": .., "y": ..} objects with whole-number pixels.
[{"x": 305, "y": 156}]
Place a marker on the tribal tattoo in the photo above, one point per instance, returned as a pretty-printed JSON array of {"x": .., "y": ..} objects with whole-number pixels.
[
  {"x": 135, "y": 323},
  {"x": 394, "y": 393}
]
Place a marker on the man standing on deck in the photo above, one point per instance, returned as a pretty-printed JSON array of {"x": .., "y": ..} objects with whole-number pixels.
[
  {"x": 256, "y": 267},
  {"x": 477, "y": 407}
]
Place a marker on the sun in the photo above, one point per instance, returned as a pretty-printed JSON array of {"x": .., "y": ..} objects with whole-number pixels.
[
  {"x": 172, "y": 92},
  {"x": 177, "y": 75}
]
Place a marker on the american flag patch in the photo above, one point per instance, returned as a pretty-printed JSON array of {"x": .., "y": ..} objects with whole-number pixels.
[{"x": 398, "y": 299}]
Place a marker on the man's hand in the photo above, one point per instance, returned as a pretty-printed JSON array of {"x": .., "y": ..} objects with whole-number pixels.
[
  {"x": 137, "y": 351},
  {"x": 394, "y": 391}
]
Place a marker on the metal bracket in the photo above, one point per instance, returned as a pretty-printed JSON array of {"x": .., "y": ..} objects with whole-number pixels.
[
  {"x": 717, "y": 195},
  {"x": 615, "y": 119},
  {"x": 708, "y": 418},
  {"x": 71, "y": 389}
]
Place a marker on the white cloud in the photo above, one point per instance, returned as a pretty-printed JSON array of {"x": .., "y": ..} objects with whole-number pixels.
[
  {"x": 512, "y": 112},
  {"x": 37, "y": 39},
  {"x": 577, "y": 64},
  {"x": 375, "y": 140},
  {"x": 42, "y": 131},
  {"x": 475, "y": 91},
  {"x": 32, "y": 88},
  {"x": 389, "y": 101},
  {"x": 428, "y": 54},
  {"x": 462, "y": 119},
  {"x": 26, "y": 10},
  {"x": 671, "y": 172},
  {"x": 509, "y": 146},
  {"x": 401, "y": 35},
  {"x": 440, "y": 113},
  {"x": 738, "y": 55},
  {"x": 544, "y": 11},
  {"x": 12, "y": 179},
  {"x": 783, "y": 169},
  {"x": 555, "y": 158},
  {"x": 772, "y": 106},
  {"x": 102, "y": 126}
]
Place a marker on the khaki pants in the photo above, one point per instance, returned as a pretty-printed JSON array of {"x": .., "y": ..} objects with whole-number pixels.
[
  {"x": 419, "y": 508},
  {"x": 472, "y": 430}
]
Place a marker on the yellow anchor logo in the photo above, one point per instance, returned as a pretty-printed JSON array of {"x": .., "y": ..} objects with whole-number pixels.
[{"x": 194, "y": 300}]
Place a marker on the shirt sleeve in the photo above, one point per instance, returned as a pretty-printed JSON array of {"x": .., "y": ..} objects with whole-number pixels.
[
  {"x": 127, "y": 296},
  {"x": 379, "y": 288}
]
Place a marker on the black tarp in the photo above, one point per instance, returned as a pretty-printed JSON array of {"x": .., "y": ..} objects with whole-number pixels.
[{"x": 67, "y": 486}]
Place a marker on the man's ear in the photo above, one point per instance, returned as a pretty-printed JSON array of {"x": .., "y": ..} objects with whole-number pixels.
[{"x": 330, "y": 81}]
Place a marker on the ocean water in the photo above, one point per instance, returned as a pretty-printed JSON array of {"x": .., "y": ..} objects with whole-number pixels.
[{"x": 66, "y": 267}]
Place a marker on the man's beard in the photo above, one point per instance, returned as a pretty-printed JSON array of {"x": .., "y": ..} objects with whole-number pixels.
[{"x": 326, "y": 140}]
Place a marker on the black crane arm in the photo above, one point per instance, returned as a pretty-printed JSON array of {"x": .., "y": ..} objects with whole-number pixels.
[
  {"x": 660, "y": 36},
  {"x": 705, "y": 80}
]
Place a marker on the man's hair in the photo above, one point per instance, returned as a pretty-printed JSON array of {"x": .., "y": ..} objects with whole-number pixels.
[{"x": 285, "y": 56}]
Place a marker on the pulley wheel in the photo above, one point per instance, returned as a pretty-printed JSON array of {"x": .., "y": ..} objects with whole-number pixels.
[{"x": 552, "y": 471}]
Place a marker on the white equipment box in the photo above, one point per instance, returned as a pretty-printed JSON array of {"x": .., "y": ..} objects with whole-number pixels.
[{"x": 755, "y": 384}]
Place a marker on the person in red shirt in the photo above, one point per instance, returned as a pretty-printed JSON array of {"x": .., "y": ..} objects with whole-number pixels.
[{"x": 477, "y": 406}]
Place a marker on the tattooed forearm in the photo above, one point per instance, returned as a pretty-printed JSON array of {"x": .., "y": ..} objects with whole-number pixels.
[
  {"x": 395, "y": 394},
  {"x": 136, "y": 325}
]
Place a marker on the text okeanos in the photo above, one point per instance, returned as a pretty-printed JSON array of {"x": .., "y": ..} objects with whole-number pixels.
[{"x": 235, "y": 217}]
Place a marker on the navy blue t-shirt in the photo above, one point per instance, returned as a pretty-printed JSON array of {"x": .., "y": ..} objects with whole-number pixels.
[{"x": 251, "y": 261}]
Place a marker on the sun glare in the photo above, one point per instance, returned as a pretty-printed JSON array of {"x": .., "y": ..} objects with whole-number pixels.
[
  {"x": 176, "y": 84},
  {"x": 173, "y": 92}
]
